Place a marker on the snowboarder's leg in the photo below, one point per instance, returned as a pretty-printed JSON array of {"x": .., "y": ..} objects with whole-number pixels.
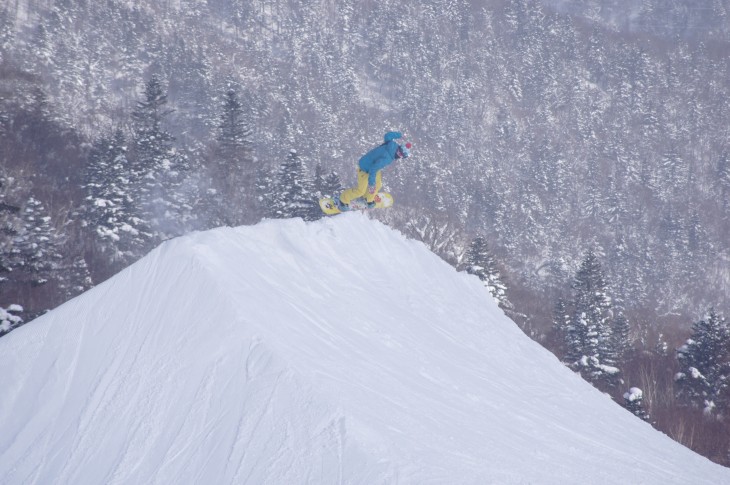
[
  {"x": 370, "y": 198},
  {"x": 358, "y": 191}
]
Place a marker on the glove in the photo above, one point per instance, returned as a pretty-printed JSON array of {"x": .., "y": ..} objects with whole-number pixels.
[{"x": 371, "y": 189}]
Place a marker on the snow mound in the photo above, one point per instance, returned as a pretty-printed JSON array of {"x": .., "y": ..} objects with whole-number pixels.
[{"x": 291, "y": 352}]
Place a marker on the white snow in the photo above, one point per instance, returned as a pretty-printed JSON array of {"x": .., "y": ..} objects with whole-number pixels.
[
  {"x": 634, "y": 394},
  {"x": 292, "y": 353},
  {"x": 696, "y": 374}
]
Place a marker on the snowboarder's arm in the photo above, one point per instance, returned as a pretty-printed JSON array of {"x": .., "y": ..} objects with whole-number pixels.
[{"x": 377, "y": 165}]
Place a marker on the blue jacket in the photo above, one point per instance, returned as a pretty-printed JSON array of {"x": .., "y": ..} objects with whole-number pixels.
[{"x": 380, "y": 157}]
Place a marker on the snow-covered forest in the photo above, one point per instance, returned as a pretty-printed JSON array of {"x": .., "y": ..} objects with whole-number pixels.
[{"x": 558, "y": 145}]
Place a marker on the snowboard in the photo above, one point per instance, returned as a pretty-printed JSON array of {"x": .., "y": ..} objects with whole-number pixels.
[{"x": 382, "y": 200}]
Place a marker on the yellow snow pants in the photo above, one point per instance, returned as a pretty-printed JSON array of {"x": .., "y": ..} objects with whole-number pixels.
[{"x": 361, "y": 190}]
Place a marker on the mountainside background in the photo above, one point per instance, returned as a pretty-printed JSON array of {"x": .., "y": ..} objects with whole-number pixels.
[
  {"x": 238, "y": 355},
  {"x": 556, "y": 139}
]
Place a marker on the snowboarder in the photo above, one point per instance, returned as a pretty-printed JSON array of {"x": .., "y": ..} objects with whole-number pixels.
[{"x": 369, "y": 175}]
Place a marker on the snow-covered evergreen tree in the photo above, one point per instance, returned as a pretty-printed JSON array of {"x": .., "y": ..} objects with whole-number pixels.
[
  {"x": 10, "y": 221},
  {"x": 704, "y": 359},
  {"x": 188, "y": 68},
  {"x": 561, "y": 328},
  {"x": 7, "y": 33},
  {"x": 110, "y": 208},
  {"x": 153, "y": 146},
  {"x": 723, "y": 181},
  {"x": 620, "y": 336},
  {"x": 234, "y": 162},
  {"x": 35, "y": 252},
  {"x": 235, "y": 130},
  {"x": 158, "y": 170},
  {"x": 332, "y": 185},
  {"x": 590, "y": 342},
  {"x": 480, "y": 262},
  {"x": 633, "y": 402},
  {"x": 326, "y": 185},
  {"x": 293, "y": 192},
  {"x": 74, "y": 277},
  {"x": 10, "y": 318},
  {"x": 265, "y": 196},
  {"x": 41, "y": 45}
]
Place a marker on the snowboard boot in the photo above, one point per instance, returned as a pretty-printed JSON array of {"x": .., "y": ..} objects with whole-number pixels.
[
  {"x": 341, "y": 206},
  {"x": 371, "y": 204}
]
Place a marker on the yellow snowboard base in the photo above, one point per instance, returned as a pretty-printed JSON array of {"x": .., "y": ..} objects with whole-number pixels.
[{"x": 382, "y": 201}]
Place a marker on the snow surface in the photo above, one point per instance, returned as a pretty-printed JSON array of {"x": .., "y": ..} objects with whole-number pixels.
[
  {"x": 634, "y": 394},
  {"x": 290, "y": 352}
]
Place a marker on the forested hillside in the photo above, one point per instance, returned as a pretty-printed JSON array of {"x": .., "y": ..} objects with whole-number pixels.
[{"x": 549, "y": 138}]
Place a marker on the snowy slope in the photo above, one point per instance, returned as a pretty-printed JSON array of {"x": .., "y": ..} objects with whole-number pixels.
[{"x": 286, "y": 353}]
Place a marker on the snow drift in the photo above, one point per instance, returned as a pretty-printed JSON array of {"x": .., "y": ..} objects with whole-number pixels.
[{"x": 292, "y": 352}]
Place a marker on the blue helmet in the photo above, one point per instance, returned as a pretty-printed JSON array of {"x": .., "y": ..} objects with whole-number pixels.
[{"x": 392, "y": 135}]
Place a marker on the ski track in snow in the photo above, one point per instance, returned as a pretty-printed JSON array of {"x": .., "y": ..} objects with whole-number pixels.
[{"x": 326, "y": 353}]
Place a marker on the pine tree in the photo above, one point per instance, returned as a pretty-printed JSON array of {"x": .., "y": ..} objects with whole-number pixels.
[
  {"x": 324, "y": 186},
  {"x": 328, "y": 185},
  {"x": 590, "y": 344},
  {"x": 293, "y": 195},
  {"x": 7, "y": 33},
  {"x": 561, "y": 328},
  {"x": 234, "y": 165},
  {"x": 152, "y": 144},
  {"x": 158, "y": 170},
  {"x": 189, "y": 75},
  {"x": 30, "y": 255},
  {"x": 266, "y": 205},
  {"x": 10, "y": 222},
  {"x": 332, "y": 185},
  {"x": 480, "y": 262},
  {"x": 704, "y": 359},
  {"x": 723, "y": 182},
  {"x": 318, "y": 181},
  {"x": 234, "y": 130},
  {"x": 74, "y": 278},
  {"x": 620, "y": 336},
  {"x": 633, "y": 402},
  {"x": 110, "y": 210},
  {"x": 182, "y": 183},
  {"x": 40, "y": 124},
  {"x": 35, "y": 253},
  {"x": 73, "y": 275},
  {"x": 10, "y": 318},
  {"x": 41, "y": 45}
]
